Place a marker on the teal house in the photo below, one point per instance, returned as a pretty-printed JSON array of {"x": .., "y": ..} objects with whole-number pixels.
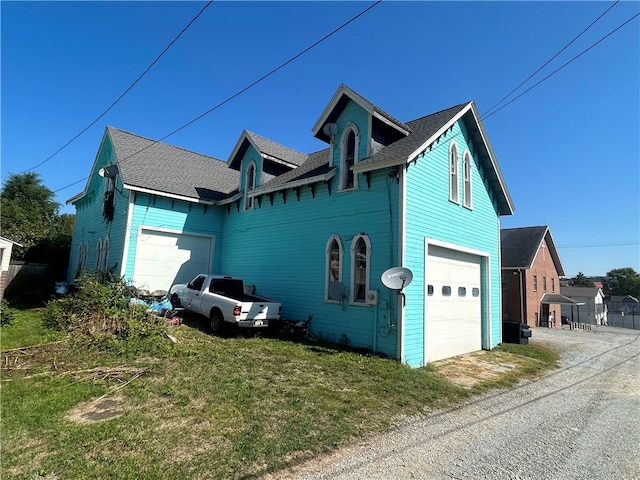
[{"x": 317, "y": 231}]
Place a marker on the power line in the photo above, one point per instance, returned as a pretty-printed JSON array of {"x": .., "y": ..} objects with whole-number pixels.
[
  {"x": 113, "y": 104},
  {"x": 596, "y": 245},
  {"x": 323, "y": 39},
  {"x": 241, "y": 91},
  {"x": 564, "y": 65},
  {"x": 552, "y": 58}
]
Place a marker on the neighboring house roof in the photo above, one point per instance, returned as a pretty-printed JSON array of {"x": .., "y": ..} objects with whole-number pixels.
[
  {"x": 268, "y": 149},
  {"x": 519, "y": 247},
  {"x": 554, "y": 298},
  {"x": 624, "y": 299},
  {"x": 585, "y": 292},
  {"x": 150, "y": 166},
  {"x": 598, "y": 284}
]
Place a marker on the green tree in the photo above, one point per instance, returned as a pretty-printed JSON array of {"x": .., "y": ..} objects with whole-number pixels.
[
  {"x": 29, "y": 211},
  {"x": 581, "y": 280},
  {"x": 622, "y": 281}
]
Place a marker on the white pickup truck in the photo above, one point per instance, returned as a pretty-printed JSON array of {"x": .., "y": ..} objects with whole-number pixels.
[{"x": 222, "y": 298}]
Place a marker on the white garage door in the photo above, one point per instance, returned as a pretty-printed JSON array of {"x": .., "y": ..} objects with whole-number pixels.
[
  {"x": 164, "y": 258},
  {"x": 453, "y": 310}
]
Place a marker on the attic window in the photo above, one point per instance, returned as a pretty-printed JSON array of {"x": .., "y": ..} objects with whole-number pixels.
[
  {"x": 453, "y": 173},
  {"x": 349, "y": 152},
  {"x": 466, "y": 165},
  {"x": 249, "y": 184}
]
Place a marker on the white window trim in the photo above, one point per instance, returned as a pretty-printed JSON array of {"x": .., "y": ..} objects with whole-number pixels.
[
  {"x": 327, "y": 269},
  {"x": 370, "y": 297},
  {"x": 105, "y": 254},
  {"x": 83, "y": 253},
  {"x": 343, "y": 156},
  {"x": 249, "y": 202},
  {"x": 99, "y": 254},
  {"x": 454, "y": 173},
  {"x": 467, "y": 174}
]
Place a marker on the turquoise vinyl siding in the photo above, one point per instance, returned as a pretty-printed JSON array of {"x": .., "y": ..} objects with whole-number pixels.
[
  {"x": 429, "y": 213},
  {"x": 280, "y": 248},
  {"x": 160, "y": 213},
  {"x": 90, "y": 225}
]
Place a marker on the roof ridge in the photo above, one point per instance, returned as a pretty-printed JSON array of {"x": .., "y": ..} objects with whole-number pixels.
[
  {"x": 249, "y": 132},
  {"x": 438, "y": 112},
  {"x": 165, "y": 144}
]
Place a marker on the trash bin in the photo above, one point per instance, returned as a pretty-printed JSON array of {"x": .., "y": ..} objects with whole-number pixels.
[{"x": 514, "y": 332}]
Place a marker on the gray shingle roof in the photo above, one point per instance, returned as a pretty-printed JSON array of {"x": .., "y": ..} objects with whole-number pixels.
[
  {"x": 163, "y": 168},
  {"x": 576, "y": 292},
  {"x": 316, "y": 164},
  {"x": 277, "y": 150},
  {"x": 519, "y": 247},
  {"x": 422, "y": 129}
]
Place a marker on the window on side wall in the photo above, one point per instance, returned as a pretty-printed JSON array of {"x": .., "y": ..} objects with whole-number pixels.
[
  {"x": 360, "y": 269},
  {"x": 249, "y": 184},
  {"x": 535, "y": 283},
  {"x": 349, "y": 157},
  {"x": 553, "y": 285},
  {"x": 104, "y": 265},
  {"x": 453, "y": 173},
  {"x": 99, "y": 254},
  {"x": 467, "y": 162},
  {"x": 334, "y": 290}
]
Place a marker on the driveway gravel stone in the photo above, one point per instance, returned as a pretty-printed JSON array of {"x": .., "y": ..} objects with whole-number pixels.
[{"x": 581, "y": 421}]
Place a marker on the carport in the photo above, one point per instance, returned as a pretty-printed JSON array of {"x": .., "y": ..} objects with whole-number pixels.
[{"x": 557, "y": 299}]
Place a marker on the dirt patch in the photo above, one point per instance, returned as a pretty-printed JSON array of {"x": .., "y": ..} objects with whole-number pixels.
[
  {"x": 97, "y": 410},
  {"x": 472, "y": 368}
]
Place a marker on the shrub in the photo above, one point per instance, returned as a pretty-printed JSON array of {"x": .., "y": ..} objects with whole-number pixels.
[
  {"x": 99, "y": 314},
  {"x": 7, "y": 314}
]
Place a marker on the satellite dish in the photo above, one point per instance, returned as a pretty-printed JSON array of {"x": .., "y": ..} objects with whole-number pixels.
[
  {"x": 397, "y": 278},
  {"x": 109, "y": 171},
  {"x": 337, "y": 291},
  {"x": 330, "y": 129}
]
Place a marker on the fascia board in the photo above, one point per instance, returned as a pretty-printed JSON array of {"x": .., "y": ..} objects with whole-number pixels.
[
  {"x": 167, "y": 195},
  {"x": 384, "y": 119},
  {"x": 378, "y": 165},
  {"x": 244, "y": 135},
  {"x": 235, "y": 198},
  {"x": 440, "y": 131},
  {"x": 492, "y": 157},
  {"x": 342, "y": 90},
  {"x": 297, "y": 183},
  {"x": 280, "y": 161}
]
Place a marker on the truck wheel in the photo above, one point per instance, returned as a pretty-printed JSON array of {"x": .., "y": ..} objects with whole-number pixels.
[
  {"x": 175, "y": 301},
  {"x": 216, "y": 321}
]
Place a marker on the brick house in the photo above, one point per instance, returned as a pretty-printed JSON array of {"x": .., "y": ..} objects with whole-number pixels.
[{"x": 531, "y": 271}]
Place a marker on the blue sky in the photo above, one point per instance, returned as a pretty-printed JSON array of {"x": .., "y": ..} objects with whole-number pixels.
[{"x": 569, "y": 149}]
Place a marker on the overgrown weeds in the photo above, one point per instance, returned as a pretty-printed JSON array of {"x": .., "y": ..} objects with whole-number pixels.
[{"x": 99, "y": 314}]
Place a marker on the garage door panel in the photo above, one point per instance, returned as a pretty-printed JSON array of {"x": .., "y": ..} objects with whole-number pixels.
[
  {"x": 452, "y": 312},
  {"x": 165, "y": 258}
]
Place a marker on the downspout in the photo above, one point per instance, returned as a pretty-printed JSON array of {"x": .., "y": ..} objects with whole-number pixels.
[{"x": 521, "y": 297}]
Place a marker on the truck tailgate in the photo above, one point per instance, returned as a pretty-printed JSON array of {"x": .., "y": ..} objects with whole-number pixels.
[{"x": 260, "y": 310}]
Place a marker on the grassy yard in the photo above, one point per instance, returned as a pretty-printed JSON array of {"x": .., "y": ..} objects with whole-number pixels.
[{"x": 209, "y": 407}]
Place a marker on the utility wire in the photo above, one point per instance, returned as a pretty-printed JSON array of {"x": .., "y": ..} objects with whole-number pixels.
[
  {"x": 551, "y": 59},
  {"x": 562, "y": 66},
  {"x": 123, "y": 93},
  {"x": 241, "y": 91}
]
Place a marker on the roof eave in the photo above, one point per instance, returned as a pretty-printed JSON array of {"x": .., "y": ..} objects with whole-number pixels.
[
  {"x": 173, "y": 196},
  {"x": 296, "y": 183}
]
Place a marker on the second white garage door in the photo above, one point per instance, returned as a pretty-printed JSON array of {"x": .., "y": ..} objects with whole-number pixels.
[
  {"x": 453, "y": 307},
  {"x": 165, "y": 258}
]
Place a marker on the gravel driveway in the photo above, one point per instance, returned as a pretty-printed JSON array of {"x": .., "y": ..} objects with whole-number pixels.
[{"x": 581, "y": 421}]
